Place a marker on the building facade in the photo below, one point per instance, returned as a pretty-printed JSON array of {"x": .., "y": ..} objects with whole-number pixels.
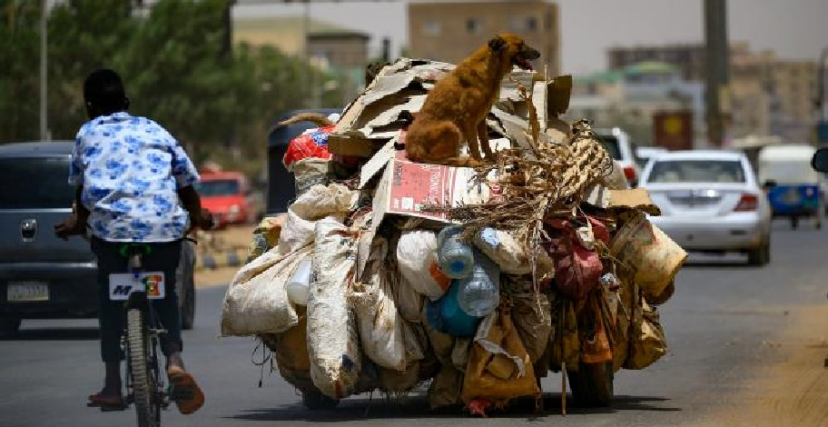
[{"x": 451, "y": 30}]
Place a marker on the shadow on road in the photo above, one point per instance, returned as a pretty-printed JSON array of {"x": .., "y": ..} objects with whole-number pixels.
[
  {"x": 55, "y": 334},
  {"x": 417, "y": 408}
]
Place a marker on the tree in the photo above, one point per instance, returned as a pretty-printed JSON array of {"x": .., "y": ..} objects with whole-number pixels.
[{"x": 20, "y": 59}]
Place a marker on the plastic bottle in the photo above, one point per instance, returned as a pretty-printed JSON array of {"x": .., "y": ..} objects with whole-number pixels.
[
  {"x": 298, "y": 287},
  {"x": 479, "y": 294},
  {"x": 445, "y": 315},
  {"x": 456, "y": 257}
]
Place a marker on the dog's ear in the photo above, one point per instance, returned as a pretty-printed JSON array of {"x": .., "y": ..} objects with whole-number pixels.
[{"x": 496, "y": 44}]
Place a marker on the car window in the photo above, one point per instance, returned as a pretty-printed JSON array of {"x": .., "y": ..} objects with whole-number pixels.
[
  {"x": 610, "y": 143},
  {"x": 218, "y": 187},
  {"x": 714, "y": 171},
  {"x": 35, "y": 183}
]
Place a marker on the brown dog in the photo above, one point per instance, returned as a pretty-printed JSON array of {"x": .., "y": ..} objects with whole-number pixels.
[{"x": 456, "y": 109}]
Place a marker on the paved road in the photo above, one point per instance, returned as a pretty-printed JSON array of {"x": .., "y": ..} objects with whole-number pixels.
[{"x": 721, "y": 325}]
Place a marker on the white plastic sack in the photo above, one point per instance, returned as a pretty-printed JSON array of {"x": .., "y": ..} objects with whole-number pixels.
[
  {"x": 256, "y": 301},
  {"x": 333, "y": 344},
  {"x": 380, "y": 326},
  {"x": 417, "y": 261},
  {"x": 320, "y": 201},
  {"x": 409, "y": 302},
  {"x": 510, "y": 254}
]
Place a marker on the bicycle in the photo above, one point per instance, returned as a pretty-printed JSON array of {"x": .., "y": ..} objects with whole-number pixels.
[{"x": 142, "y": 332}]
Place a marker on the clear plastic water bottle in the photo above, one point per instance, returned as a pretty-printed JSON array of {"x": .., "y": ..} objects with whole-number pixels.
[
  {"x": 298, "y": 288},
  {"x": 479, "y": 294},
  {"x": 456, "y": 257}
]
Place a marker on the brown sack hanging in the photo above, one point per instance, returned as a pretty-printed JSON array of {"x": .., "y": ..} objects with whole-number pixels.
[{"x": 595, "y": 348}]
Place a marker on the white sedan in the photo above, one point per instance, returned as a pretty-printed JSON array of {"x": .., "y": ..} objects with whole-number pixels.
[{"x": 710, "y": 202}]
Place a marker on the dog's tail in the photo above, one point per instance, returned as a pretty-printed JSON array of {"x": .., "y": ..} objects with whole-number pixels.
[{"x": 315, "y": 118}]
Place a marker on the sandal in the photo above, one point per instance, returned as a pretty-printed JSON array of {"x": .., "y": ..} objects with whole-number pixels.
[
  {"x": 185, "y": 392},
  {"x": 106, "y": 403}
]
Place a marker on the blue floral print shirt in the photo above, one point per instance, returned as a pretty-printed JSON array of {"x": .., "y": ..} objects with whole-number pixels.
[{"x": 131, "y": 168}]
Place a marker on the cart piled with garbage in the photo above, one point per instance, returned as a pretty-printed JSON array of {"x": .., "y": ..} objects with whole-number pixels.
[{"x": 394, "y": 276}]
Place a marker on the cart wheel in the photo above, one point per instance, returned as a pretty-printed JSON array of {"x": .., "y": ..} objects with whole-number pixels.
[{"x": 316, "y": 401}]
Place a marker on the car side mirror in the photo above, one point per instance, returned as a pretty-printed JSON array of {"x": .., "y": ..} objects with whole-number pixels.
[
  {"x": 819, "y": 162},
  {"x": 769, "y": 184}
]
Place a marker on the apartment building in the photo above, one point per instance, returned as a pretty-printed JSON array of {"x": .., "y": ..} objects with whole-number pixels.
[{"x": 450, "y": 30}]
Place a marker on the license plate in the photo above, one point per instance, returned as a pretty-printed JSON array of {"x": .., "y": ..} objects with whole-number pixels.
[
  {"x": 122, "y": 285},
  {"x": 27, "y": 291}
]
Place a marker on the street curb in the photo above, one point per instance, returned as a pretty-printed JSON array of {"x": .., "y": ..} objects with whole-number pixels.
[{"x": 220, "y": 259}]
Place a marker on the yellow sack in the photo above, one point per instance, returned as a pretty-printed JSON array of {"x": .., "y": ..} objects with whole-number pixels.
[
  {"x": 565, "y": 329},
  {"x": 647, "y": 343},
  {"x": 499, "y": 367},
  {"x": 445, "y": 388},
  {"x": 290, "y": 351}
]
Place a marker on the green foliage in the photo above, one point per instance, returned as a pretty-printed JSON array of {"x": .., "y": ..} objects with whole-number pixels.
[{"x": 174, "y": 67}]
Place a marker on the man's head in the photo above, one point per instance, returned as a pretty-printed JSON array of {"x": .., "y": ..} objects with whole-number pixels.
[{"x": 103, "y": 92}]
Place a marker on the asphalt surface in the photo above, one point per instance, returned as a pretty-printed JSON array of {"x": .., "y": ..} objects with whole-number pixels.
[{"x": 721, "y": 325}]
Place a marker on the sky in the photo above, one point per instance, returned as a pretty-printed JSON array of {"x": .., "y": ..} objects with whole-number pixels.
[{"x": 795, "y": 29}]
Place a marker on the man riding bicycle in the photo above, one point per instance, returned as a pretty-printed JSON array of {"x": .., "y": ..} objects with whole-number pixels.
[{"x": 134, "y": 185}]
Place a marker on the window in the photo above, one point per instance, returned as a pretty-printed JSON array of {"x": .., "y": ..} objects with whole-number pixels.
[
  {"x": 722, "y": 171},
  {"x": 525, "y": 24},
  {"x": 432, "y": 28},
  {"x": 218, "y": 187},
  {"x": 473, "y": 26},
  {"x": 46, "y": 183}
]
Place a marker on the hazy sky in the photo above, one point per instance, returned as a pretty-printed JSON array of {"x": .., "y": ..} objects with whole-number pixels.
[{"x": 795, "y": 29}]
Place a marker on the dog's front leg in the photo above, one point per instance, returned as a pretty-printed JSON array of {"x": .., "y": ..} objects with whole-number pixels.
[
  {"x": 483, "y": 135},
  {"x": 470, "y": 132}
]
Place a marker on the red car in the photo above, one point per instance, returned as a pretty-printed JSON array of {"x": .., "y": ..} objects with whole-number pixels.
[{"x": 227, "y": 196}]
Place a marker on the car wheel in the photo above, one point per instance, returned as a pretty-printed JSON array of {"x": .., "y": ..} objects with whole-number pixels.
[
  {"x": 9, "y": 326},
  {"x": 185, "y": 285},
  {"x": 759, "y": 256},
  {"x": 794, "y": 222}
]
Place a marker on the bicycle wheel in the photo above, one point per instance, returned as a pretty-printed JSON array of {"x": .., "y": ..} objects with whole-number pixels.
[{"x": 143, "y": 382}]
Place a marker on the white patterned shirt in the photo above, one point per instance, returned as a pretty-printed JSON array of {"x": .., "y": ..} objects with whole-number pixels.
[{"x": 131, "y": 168}]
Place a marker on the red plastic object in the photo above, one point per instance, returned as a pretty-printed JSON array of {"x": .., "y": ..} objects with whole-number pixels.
[{"x": 313, "y": 144}]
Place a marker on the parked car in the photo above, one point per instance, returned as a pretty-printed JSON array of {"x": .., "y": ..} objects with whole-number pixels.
[
  {"x": 710, "y": 202},
  {"x": 621, "y": 148},
  {"x": 644, "y": 154},
  {"x": 228, "y": 196},
  {"x": 42, "y": 276}
]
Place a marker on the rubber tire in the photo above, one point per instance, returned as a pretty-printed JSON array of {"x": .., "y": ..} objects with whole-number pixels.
[
  {"x": 142, "y": 381},
  {"x": 794, "y": 222},
  {"x": 185, "y": 285},
  {"x": 592, "y": 385},
  {"x": 9, "y": 326},
  {"x": 316, "y": 401},
  {"x": 188, "y": 308},
  {"x": 759, "y": 256}
]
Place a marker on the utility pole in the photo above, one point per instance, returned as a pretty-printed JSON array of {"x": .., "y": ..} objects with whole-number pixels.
[
  {"x": 819, "y": 102},
  {"x": 717, "y": 67},
  {"x": 44, "y": 122}
]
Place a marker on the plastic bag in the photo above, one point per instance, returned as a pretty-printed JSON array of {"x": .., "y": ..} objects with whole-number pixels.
[
  {"x": 265, "y": 236},
  {"x": 499, "y": 368},
  {"x": 445, "y": 388},
  {"x": 381, "y": 329},
  {"x": 577, "y": 269},
  {"x": 256, "y": 301},
  {"x": 509, "y": 253},
  {"x": 647, "y": 343},
  {"x": 409, "y": 301},
  {"x": 332, "y": 201},
  {"x": 333, "y": 343},
  {"x": 417, "y": 261},
  {"x": 532, "y": 319},
  {"x": 311, "y": 144},
  {"x": 309, "y": 172}
]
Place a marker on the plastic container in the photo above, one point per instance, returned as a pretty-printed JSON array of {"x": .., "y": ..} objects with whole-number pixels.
[
  {"x": 656, "y": 258},
  {"x": 479, "y": 294},
  {"x": 445, "y": 315},
  {"x": 298, "y": 287},
  {"x": 455, "y": 257}
]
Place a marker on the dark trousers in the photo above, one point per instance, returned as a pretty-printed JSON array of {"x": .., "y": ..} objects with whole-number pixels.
[{"x": 163, "y": 257}]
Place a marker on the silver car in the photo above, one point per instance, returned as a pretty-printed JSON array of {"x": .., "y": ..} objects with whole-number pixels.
[
  {"x": 42, "y": 276},
  {"x": 710, "y": 202}
]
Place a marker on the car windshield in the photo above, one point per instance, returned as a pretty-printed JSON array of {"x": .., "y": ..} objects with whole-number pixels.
[
  {"x": 610, "y": 143},
  {"x": 218, "y": 187},
  {"x": 35, "y": 183},
  {"x": 713, "y": 171}
]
